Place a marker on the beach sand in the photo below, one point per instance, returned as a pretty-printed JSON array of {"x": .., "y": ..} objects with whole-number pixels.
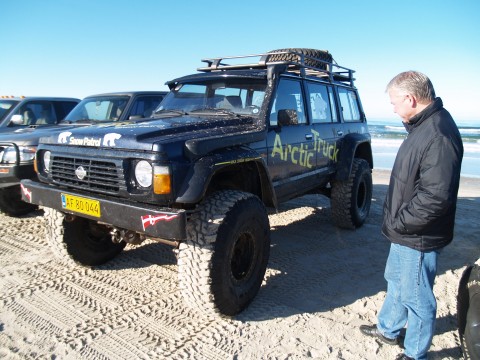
[{"x": 321, "y": 284}]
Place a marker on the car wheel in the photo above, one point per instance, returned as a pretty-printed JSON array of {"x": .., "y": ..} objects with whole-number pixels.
[
  {"x": 309, "y": 61},
  {"x": 351, "y": 199},
  {"x": 223, "y": 261},
  {"x": 78, "y": 240},
  {"x": 11, "y": 202}
]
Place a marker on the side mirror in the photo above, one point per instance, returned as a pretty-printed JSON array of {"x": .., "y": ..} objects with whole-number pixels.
[
  {"x": 17, "y": 119},
  {"x": 287, "y": 117}
]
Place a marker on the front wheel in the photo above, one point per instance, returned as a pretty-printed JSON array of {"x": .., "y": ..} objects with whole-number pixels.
[
  {"x": 222, "y": 263},
  {"x": 11, "y": 202},
  {"x": 78, "y": 240},
  {"x": 351, "y": 199}
]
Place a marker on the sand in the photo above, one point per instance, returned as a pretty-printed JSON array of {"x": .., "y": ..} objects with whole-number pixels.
[{"x": 321, "y": 284}]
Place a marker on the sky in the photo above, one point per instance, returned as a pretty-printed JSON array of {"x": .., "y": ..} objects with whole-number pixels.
[{"x": 77, "y": 48}]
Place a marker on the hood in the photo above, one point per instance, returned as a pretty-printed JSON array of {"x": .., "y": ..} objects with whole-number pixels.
[
  {"x": 145, "y": 135},
  {"x": 30, "y": 135}
]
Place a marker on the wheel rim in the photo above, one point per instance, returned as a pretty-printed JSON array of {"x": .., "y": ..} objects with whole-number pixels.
[
  {"x": 362, "y": 196},
  {"x": 242, "y": 259}
]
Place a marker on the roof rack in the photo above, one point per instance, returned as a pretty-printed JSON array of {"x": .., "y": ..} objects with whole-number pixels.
[{"x": 329, "y": 71}]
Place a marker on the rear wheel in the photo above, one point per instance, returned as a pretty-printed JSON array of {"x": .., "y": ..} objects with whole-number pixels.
[
  {"x": 351, "y": 199},
  {"x": 11, "y": 202},
  {"x": 78, "y": 240},
  {"x": 223, "y": 261}
]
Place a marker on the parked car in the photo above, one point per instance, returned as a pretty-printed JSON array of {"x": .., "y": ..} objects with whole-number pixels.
[
  {"x": 22, "y": 112},
  {"x": 21, "y": 135}
]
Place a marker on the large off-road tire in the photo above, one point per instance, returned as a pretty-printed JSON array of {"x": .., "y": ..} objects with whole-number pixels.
[
  {"x": 79, "y": 240},
  {"x": 222, "y": 264},
  {"x": 351, "y": 199},
  {"x": 468, "y": 312},
  {"x": 311, "y": 53},
  {"x": 11, "y": 202}
]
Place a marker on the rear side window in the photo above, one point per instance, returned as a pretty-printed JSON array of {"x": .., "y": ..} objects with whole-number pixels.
[
  {"x": 320, "y": 107},
  {"x": 349, "y": 105}
]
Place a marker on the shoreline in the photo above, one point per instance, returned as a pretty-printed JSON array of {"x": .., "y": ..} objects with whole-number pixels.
[{"x": 469, "y": 185}]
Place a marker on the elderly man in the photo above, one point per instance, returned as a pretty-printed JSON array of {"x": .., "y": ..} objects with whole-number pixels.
[{"x": 419, "y": 213}]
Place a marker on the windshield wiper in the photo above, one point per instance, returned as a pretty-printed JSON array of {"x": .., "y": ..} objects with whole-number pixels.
[
  {"x": 79, "y": 121},
  {"x": 211, "y": 110},
  {"x": 169, "y": 112}
]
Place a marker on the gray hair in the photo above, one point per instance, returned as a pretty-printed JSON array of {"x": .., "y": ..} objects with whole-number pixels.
[{"x": 414, "y": 83}]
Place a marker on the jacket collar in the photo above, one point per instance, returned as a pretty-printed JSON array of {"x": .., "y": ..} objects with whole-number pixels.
[{"x": 415, "y": 121}]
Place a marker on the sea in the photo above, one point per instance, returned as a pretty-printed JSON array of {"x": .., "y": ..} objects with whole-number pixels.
[{"x": 387, "y": 135}]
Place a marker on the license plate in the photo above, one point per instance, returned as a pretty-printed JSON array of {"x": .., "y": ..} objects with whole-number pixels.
[{"x": 81, "y": 205}]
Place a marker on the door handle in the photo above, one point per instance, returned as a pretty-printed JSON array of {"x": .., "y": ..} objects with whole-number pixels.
[
  {"x": 308, "y": 136},
  {"x": 339, "y": 132}
]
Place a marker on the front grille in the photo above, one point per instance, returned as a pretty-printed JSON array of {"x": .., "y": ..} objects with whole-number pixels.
[{"x": 98, "y": 176}]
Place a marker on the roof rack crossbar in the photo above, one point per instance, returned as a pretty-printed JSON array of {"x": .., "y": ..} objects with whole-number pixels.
[{"x": 332, "y": 71}]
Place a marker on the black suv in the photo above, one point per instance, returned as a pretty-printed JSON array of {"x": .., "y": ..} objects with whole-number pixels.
[
  {"x": 21, "y": 133},
  {"x": 224, "y": 143}
]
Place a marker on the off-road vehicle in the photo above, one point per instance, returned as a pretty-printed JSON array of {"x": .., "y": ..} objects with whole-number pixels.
[
  {"x": 21, "y": 133},
  {"x": 242, "y": 134}
]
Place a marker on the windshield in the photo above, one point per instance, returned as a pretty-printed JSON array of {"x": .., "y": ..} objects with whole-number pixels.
[
  {"x": 243, "y": 97},
  {"x": 101, "y": 109},
  {"x": 5, "y": 107}
]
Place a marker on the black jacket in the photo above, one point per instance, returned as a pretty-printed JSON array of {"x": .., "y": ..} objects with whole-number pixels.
[{"x": 419, "y": 210}]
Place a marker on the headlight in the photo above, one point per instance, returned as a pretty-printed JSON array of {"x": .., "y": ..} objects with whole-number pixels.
[
  {"x": 27, "y": 153},
  {"x": 46, "y": 160},
  {"x": 143, "y": 173}
]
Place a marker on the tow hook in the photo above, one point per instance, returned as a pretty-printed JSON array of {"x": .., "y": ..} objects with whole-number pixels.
[{"x": 130, "y": 237}]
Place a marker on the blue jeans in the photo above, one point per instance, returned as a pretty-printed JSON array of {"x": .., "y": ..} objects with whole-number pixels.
[{"x": 410, "y": 275}]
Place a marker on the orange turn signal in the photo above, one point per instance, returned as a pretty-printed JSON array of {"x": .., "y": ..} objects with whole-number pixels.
[{"x": 161, "y": 180}]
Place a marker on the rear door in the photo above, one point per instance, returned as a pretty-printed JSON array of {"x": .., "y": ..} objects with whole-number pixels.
[{"x": 325, "y": 121}]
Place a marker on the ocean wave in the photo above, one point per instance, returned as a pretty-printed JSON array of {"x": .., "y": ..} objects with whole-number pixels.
[
  {"x": 395, "y": 128},
  {"x": 469, "y": 131}
]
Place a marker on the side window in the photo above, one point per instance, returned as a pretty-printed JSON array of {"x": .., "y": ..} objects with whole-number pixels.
[
  {"x": 288, "y": 97},
  {"x": 349, "y": 104},
  {"x": 320, "y": 110},
  {"x": 144, "y": 106},
  {"x": 38, "y": 113},
  {"x": 62, "y": 108}
]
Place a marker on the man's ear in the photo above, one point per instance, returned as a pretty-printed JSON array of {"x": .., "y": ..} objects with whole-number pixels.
[{"x": 412, "y": 100}]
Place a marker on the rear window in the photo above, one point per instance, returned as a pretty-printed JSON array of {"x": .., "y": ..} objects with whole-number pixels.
[{"x": 349, "y": 105}]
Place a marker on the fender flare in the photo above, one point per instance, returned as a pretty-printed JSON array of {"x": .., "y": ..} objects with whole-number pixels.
[
  {"x": 353, "y": 145},
  {"x": 199, "y": 175}
]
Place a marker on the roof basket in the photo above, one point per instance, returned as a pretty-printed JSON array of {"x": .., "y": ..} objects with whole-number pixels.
[{"x": 303, "y": 62}]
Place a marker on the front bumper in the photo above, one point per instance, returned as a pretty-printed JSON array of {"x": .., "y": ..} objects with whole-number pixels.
[
  {"x": 165, "y": 223},
  {"x": 12, "y": 174}
]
